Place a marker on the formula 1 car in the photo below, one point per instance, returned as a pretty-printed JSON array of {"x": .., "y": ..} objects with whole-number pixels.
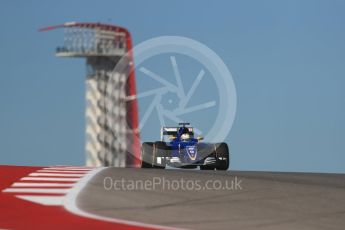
[{"x": 182, "y": 150}]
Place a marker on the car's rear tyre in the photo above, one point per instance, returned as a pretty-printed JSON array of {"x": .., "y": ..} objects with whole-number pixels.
[
  {"x": 223, "y": 156},
  {"x": 147, "y": 155},
  {"x": 160, "y": 152}
]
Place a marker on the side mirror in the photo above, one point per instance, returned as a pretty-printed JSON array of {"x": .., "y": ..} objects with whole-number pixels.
[{"x": 200, "y": 138}]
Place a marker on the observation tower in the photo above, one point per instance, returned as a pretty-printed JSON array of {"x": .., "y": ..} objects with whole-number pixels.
[{"x": 112, "y": 135}]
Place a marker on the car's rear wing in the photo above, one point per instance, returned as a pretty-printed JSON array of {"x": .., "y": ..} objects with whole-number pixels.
[{"x": 172, "y": 131}]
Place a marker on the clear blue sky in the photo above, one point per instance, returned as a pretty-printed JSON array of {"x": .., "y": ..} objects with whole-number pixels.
[{"x": 287, "y": 59}]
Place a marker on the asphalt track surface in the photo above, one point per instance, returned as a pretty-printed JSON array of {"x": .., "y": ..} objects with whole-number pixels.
[{"x": 261, "y": 200}]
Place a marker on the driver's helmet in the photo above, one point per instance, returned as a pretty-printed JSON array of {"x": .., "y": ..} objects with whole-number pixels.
[{"x": 184, "y": 133}]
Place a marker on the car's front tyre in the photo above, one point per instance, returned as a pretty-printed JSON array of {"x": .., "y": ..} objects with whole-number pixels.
[
  {"x": 223, "y": 156},
  {"x": 147, "y": 155},
  {"x": 159, "y": 154}
]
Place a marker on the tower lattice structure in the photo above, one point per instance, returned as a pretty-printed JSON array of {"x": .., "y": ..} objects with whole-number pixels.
[{"x": 112, "y": 135}]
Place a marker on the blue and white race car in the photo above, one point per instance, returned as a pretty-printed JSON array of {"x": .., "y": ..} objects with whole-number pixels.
[{"x": 179, "y": 148}]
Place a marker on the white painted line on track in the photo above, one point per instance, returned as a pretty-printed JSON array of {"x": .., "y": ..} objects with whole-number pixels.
[
  {"x": 50, "y": 179},
  {"x": 37, "y": 190},
  {"x": 57, "y": 174},
  {"x": 61, "y": 171},
  {"x": 45, "y": 200},
  {"x": 70, "y": 204},
  {"x": 70, "y": 166},
  {"x": 69, "y": 169},
  {"x": 23, "y": 184}
]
